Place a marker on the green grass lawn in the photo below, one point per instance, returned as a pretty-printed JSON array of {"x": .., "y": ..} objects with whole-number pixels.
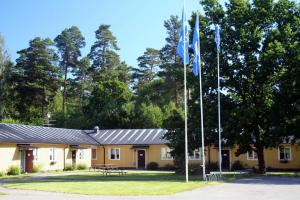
[
  {"x": 284, "y": 174},
  {"x": 1, "y": 193},
  {"x": 94, "y": 183}
]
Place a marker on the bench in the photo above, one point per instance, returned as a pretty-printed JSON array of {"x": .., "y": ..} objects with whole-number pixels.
[
  {"x": 108, "y": 169},
  {"x": 214, "y": 176}
]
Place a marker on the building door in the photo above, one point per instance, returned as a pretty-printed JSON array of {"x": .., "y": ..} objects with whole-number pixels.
[
  {"x": 225, "y": 160},
  {"x": 141, "y": 159},
  {"x": 29, "y": 161},
  {"x": 74, "y": 157}
]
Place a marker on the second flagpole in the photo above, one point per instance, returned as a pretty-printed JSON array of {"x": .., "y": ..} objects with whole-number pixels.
[
  {"x": 201, "y": 105},
  {"x": 185, "y": 107}
]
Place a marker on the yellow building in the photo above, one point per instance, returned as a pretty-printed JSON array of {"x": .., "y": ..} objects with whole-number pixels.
[
  {"x": 47, "y": 148},
  {"x": 54, "y": 148},
  {"x": 135, "y": 148}
]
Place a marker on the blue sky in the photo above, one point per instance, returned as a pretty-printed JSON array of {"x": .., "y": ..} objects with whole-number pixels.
[{"x": 137, "y": 24}]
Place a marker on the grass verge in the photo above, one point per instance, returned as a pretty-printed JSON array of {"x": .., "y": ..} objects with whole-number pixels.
[
  {"x": 283, "y": 174},
  {"x": 135, "y": 183}
]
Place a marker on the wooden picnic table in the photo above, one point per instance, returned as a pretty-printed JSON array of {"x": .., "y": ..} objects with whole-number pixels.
[{"x": 109, "y": 169}]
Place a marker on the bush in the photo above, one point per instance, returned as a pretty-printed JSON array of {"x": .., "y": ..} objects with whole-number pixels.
[
  {"x": 169, "y": 167},
  {"x": 195, "y": 169},
  {"x": 37, "y": 168},
  {"x": 212, "y": 166},
  {"x": 152, "y": 166},
  {"x": 2, "y": 174},
  {"x": 69, "y": 167},
  {"x": 81, "y": 166},
  {"x": 237, "y": 165},
  {"x": 14, "y": 170}
]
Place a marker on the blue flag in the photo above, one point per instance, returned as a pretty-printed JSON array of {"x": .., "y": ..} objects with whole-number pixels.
[
  {"x": 183, "y": 39},
  {"x": 196, "y": 44},
  {"x": 217, "y": 37}
]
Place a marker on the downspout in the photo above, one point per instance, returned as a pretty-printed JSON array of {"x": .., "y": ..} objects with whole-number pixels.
[{"x": 103, "y": 154}]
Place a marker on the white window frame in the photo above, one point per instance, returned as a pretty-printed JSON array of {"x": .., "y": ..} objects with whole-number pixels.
[
  {"x": 110, "y": 150},
  {"x": 52, "y": 153},
  {"x": 96, "y": 158},
  {"x": 81, "y": 154},
  {"x": 285, "y": 147},
  {"x": 164, "y": 152},
  {"x": 36, "y": 154},
  {"x": 253, "y": 157},
  {"x": 193, "y": 156}
]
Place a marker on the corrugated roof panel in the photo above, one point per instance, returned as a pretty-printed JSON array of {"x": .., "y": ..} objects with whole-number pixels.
[
  {"x": 130, "y": 136},
  {"x": 36, "y": 134}
]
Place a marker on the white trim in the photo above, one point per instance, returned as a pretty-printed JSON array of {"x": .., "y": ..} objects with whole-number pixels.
[
  {"x": 81, "y": 154},
  {"x": 115, "y": 158},
  {"x": 36, "y": 154},
  {"x": 193, "y": 157},
  {"x": 252, "y": 158},
  {"x": 161, "y": 154},
  {"x": 96, "y": 153},
  {"x": 290, "y": 150},
  {"x": 53, "y": 154}
]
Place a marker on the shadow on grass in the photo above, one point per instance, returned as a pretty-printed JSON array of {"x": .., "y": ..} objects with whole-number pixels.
[
  {"x": 99, "y": 177},
  {"x": 268, "y": 180}
]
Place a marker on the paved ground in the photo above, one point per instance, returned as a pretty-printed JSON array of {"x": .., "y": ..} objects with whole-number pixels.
[{"x": 260, "y": 188}]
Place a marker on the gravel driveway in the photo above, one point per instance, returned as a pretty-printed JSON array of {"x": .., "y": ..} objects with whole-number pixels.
[{"x": 258, "y": 188}]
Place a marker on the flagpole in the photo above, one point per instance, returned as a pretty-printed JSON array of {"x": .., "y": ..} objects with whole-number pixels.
[
  {"x": 201, "y": 108},
  {"x": 219, "y": 115},
  {"x": 185, "y": 103}
]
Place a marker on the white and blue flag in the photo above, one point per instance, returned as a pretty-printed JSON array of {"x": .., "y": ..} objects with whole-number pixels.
[
  {"x": 196, "y": 44},
  {"x": 217, "y": 37},
  {"x": 183, "y": 44}
]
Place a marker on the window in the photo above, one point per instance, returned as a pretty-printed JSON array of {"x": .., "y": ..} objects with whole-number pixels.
[
  {"x": 251, "y": 155},
  {"x": 52, "y": 154},
  {"x": 196, "y": 155},
  {"x": 35, "y": 154},
  {"x": 94, "y": 154},
  {"x": 285, "y": 153},
  {"x": 166, "y": 153},
  {"x": 115, "y": 153},
  {"x": 81, "y": 154}
]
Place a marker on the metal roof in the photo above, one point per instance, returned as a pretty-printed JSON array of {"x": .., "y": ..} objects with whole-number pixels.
[
  {"x": 129, "y": 136},
  {"x": 13, "y": 133}
]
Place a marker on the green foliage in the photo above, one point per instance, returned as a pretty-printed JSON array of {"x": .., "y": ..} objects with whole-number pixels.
[
  {"x": 35, "y": 80},
  {"x": 237, "y": 165},
  {"x": 169, "y": 167},
  {"x": 69, "y": 43},
  {"x": 212, "y": 166},
  {"x": 152, "y": 166},
  {"x": 11, "y": 121},
  {"x": 14, "y": 170},
  {"x": 255, "y": 62},
  {"x": 195, "y": 169},
  {"x": 69, "y": 167},
  {"x": 104, "y": 51},
  {"x": 148, "y": 66},
  {"x": 2, "y": 173},
  {"x": 81, "y": 166},
  {"x": 148, "y": 116},
  {"x": 37, "y": 168},
  {"x": 108, "y": 105}
]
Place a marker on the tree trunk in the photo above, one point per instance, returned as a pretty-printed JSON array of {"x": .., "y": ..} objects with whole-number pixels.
[
  {"x": 261, "y": 159},
  {"x": 65, "y": 89}
]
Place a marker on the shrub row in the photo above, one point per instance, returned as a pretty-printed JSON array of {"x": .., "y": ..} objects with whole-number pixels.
[{"x": 80, "y": 166}]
